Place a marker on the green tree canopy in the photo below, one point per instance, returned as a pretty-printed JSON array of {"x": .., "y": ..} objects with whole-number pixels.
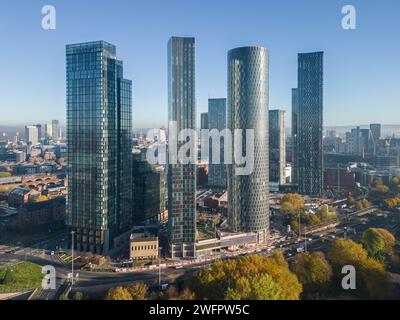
[
  {"x": 374, "y": 242},
  {"x": 263, "y": 287}
]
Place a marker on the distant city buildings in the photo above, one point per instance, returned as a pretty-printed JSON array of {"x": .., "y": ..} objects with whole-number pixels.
[
  {"x": 204, "y": 120},
  {"x": 308, "y": 116},
  {"x": 217, "y": 174},
  {"x": 277, "y": 146},
  {"x": 32, "y": 135},
  {"x": 52, "y": 131},
  {"x": 248, "y": 90},
  {"x": 99, "y": 120},
  {"x": 55, "y": 130},
  {"x": 181, "y": 177}
]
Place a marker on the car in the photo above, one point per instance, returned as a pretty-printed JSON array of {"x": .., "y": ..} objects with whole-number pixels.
[
  {"x": 178, "y": 267},
  {"x": 52, "y": 253},
  {"x": 333, "y": 236}
]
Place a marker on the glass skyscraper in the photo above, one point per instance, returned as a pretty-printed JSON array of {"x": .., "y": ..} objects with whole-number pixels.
[
  {"x": 217, "y": 176},
  {"x": 277, "y": 146},
  {"x": 99, "y": 125},
  {"x": 181, "y": 177},
  {"x": 309, "y": 111},
  {"x": 295, "y": 156},
  {"x": 248, "y": 95}
]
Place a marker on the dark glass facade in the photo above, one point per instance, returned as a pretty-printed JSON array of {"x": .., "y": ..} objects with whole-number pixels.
[
  {"x": 277, "y": 146},
  {"x": 99, "y": 126},
  {"x": 248, "y": 91},
  {"x": 217, "y": 176},
  {"x": 309, "y": 164},
  {"x": 181, "y": 177},
  {"x": 149, "y": 189}
]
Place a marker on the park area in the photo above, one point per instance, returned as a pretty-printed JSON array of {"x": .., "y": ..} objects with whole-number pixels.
[{"x": 21, "y": 276}]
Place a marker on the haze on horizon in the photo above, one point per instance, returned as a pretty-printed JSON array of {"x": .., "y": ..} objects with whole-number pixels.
[{"x": 361, "y": 66}]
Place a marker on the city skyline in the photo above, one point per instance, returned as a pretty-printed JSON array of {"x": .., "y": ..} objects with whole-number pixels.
[{"x": 347, "y": 56}]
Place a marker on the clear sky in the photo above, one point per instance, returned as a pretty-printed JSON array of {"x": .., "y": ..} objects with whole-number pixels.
[{"x": 362, "y": 66}]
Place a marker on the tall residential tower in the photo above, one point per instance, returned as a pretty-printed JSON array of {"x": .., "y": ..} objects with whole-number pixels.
[
  {"x": 99, "y": 125},
  {"x": 277, "y": 146},
  {"x": 248, "y": 95},
  {"x": 181, "y": 177},
  {"x": 217, "y": 120},
  {"x": 309, "y": 110}
]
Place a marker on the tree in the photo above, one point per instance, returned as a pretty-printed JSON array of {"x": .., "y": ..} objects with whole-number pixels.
[
  {"x": 263, "y": 287},
  {"x": 292, "y": 203},
  {"x": 374, "y": 243},
  {"x": 63, "y": 297},
  {"x": 379, "y": 243},
  {"x": 372, "y": 279},
  {"x": 377, "y": 181},
  {"x": 173, "y": 294},
  {"x": 365, "y": 203},
  {"x": 382, "y": 189},
  {"x": 138, "y": 291},
  {"x": 78, "y": 296},
  {"x": 390, "y": 240},
  {"x": 313, "y": 271},
  {"x": 350, "y": 200},
  {"x": 233, "y": 279},
  {"x": 8, "y": 277},
  {"x": 232, "y": 294},
  {"x": 118, "y": 293}
]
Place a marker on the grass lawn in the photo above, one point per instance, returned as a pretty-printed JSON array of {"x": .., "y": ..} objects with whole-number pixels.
[{"x": 20, "y": 277}]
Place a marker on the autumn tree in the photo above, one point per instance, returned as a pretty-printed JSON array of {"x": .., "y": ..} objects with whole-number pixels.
[
  {"x": 172, "y": 293},
  {"x": 138, "y": 291},
  {"x": 313, "y": 271},
  {"x": 292, "y": 203},
  {"x": 263, "y": 287},
  {"x": 234, "y": 279},
  {"x": 118, "y": 293},
  {"x": 369, "y": 272}
]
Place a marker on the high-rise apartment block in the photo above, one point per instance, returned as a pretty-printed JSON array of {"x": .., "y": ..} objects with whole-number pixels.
[
  {"x": 217, "y": 174},
  {"x": 181, "y": 177},
  {"x": 99, "y": 117},
  {"x": 277, "y": 146},
  {"x": 308, "y": 114},
  {"x": 248, "y": 91}
]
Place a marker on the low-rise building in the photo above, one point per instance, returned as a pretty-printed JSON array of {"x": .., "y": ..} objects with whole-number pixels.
[
  {"x": 142, "y": 247},
  {"x": 19, "y": 196}
]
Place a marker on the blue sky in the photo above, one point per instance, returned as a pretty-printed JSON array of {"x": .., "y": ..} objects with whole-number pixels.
[{"x": 362, "y": 66}]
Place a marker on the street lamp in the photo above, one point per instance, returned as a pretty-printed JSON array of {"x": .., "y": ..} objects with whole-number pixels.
[
  {"x": 159, "y": 267},
  {"x": 305, "y": 238},
  {"x": 72, "y": 261}
]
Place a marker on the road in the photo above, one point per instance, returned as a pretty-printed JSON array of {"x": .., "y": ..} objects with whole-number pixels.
[{"x": 96, "y": 284}]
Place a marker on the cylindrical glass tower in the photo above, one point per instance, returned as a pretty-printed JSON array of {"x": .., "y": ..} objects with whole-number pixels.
[{"x": 248, "y": 92}]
